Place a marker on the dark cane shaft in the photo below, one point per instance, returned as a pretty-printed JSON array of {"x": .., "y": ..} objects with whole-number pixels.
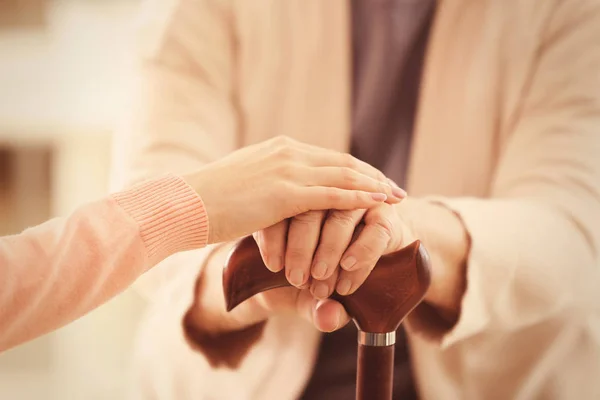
[{"x": 375, "y": 372}]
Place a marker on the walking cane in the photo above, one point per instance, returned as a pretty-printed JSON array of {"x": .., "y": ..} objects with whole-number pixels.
[{"x": 394, "y": 288}]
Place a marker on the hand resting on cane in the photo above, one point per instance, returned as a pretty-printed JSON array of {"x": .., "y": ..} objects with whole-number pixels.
[{"x": 336, "y": 250}]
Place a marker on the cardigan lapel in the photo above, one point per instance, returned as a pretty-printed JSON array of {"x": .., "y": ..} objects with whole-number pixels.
[{"x": 456, "y": 105}]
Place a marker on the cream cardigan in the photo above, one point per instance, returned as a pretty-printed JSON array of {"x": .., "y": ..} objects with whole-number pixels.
[{"x": 508, "y": 135}]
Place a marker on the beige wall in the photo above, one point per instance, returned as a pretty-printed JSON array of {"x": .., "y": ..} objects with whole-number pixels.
[{"x": 63, "y": 89}]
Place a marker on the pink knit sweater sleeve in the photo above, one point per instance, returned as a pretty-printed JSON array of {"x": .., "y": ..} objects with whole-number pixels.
[{"x": 56, "y": 272}]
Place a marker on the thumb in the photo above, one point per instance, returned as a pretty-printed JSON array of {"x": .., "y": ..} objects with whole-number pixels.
[{"x": 329, "y": 315}]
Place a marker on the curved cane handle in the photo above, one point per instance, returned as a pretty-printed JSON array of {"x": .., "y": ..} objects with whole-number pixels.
[{"x": 394, "y": 288}]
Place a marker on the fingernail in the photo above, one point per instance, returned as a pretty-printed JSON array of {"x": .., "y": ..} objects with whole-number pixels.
[
  {"x": 348, "y": 262},
  {"x": 321, "y": 290},
  {"x": 296, "y": 277},
  {"x": 319, "y": 270},
  {"x": 400, "y": 193},
  {"x": 379, "y": 196},
  {"x": 275, "y": 264},
  {"x": 343, "y": 287}
]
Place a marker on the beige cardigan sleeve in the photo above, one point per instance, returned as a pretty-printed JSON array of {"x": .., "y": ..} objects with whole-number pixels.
[
  {"x": 182, "y": 116},
  {"x": 536, "y": 243}
]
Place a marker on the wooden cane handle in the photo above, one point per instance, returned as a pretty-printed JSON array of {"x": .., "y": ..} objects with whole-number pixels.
[{"x": 394, "y": 288}]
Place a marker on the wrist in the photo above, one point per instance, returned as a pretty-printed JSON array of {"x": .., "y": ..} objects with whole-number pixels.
[
  {"x": 200, "y": 182},
  {"x": 444, "y": 235},
  {"x": 208, "y": 329},
  {"x": 170, "y": 216},
  {"x": 208, "y": 312}
]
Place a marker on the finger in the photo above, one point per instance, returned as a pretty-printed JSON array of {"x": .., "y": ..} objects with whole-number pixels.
[
  {"x": 322, "y": 289},
  {"x": 336, "y": 235},
  {"x": 349, "y": 179},
  {"x": 329, "y": 316},
  {"x": 302, "y": 240},
  {"x": 362, "y": 255},
  {"x": 319, "y": 157},
  {"x": 325, "y": 198},
  {"x": 271, "y": 243}
]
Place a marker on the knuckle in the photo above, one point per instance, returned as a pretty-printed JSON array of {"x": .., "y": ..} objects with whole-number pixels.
[
  {"x": 384, "y": 188},
  {"x": 384, "y": 226},
  {"x": 331, "y": 247},
  {"x": 349, "y": 176},
  {"x": 328, "y": 250},
  {"x": 297, "y": 254},
  {"x": 285, "y": 147},
  {"x": 309, "y": 217},
  {"x": 360, "y": 197},
  {"x": 285, "y": 153},
  {"x": 367, "y": 248},
  {"x": 350, "y": 161},
  {"x": 287, "y": 170},
  {"x": 333, "y": 195},
  {"x": 342, "y": 219}
]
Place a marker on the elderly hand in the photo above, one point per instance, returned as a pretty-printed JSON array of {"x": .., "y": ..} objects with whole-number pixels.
[
  {"x": 323, "y": 252},
  {"x": 317, "y": 243}
]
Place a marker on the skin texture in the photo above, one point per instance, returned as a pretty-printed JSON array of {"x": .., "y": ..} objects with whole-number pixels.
[
  {"x": 338, "y": 250},
  {"x": 383, "y": 229},
  {"x": 281, "y": 178}
]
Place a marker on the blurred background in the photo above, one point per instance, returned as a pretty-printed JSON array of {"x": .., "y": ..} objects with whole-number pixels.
[{"x": 63, "y": 64}]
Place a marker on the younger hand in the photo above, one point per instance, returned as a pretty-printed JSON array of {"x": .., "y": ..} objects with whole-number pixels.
[{"x": 261, "y": 185}]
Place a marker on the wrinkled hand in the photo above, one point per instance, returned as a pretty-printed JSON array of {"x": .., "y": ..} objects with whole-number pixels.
[
  {"x": 260, "y": 185},
  {"x": 316, "y": 245},
  {"x": 322, "y": 252}
]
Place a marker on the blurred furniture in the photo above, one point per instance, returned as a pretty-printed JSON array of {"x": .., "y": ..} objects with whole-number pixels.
[{"x": 25, "y": 183}]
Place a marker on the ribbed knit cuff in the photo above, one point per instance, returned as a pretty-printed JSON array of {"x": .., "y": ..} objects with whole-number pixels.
[{"x": 170, "y": 214}]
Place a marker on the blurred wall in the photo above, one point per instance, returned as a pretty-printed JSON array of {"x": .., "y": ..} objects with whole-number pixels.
[{"x": 61, "y": 88}]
